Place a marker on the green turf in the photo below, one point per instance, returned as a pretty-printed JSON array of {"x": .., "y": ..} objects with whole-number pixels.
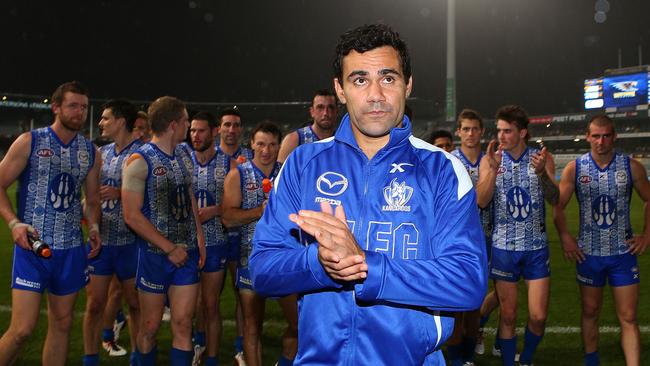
[{"x": 555, "y": 349}]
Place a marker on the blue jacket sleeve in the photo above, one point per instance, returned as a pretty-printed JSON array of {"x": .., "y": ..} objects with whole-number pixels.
[
  {"x": 454, "y": 276},
  {"x": 280, "y": 263}
]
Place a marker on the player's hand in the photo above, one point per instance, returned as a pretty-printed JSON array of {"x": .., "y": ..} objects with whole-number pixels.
[
  {"x": 638, "y": 244},
  {"x": 178, "y": 256},
  {"x": 494, "y": 155},
  {"x": 571, "y": 250},
  {"x": 206, "y": 213},
  {"x": 95, "y": 241},
  {"x": 19, "y": 234},
  {"x": 539, "y": 161},
  {"x": 108, "y": 193},
  {"x": 202, "y": 254}
]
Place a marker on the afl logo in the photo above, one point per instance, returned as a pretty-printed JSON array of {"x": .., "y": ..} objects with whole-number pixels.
[
  {"x": 159, "y": 171},
  {"x": 584, "y": 179},
  {"x": 331, "y": 184},
  {"x": 501, "y": 170},
  {"x": 252, "y": 186},
  {"x": 45, "y": 153}
]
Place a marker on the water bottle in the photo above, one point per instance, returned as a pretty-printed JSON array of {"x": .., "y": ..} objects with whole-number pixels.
[{"x": 39, "y": 247}]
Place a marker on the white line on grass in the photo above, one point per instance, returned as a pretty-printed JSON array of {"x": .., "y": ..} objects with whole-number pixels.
[{"x": 605, "y": 329}]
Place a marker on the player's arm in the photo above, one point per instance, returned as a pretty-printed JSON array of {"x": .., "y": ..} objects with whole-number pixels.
[
  {"x": 200, "y": 235},
  {"x": 92, "y": 211},
  {"x": 639, "y": 243},
  {"x": 487, "y": 172},
  {"x": 545, "y": 169},
  {"x": 289, "y": 143},
  {"x": 567, "y": 187},
  {"x": 134, "y": 178},
  {"x": 233, "y": 214},
  {"x": 206, "y": 213},
  {"x": 11, "y": 167}
]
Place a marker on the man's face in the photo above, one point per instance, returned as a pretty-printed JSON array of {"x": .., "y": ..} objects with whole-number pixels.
[
  {"x": 601, "y": 139},
  {"x": 73, "y": 111},
  {"x": 323, "y": 111},
  {"x": 182, "y": 124},
  {"x": 374, "y": 90},
  {"x": 201, "y": 134},
  {"x": 444, "y": 143},
  {"x": 141, "y": 130},
  {"x": 266, "y": 147},
  {"x": 509, "y": 135},
  {"x": 110, "y": 125},
  {"x": 470, "y": 133},
  {"x": 230, "y": 130}
]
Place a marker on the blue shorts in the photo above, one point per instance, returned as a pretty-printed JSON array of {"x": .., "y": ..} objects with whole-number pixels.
[
  {"x": 64, "y": 273},
  {"x": 156, "y": 273},
  {"x": 121, "y": 260},
  {"x": 244, "y": 280},
  {"x": 233, "y": 242},
  {"x": 215, "y": 258},
  {"x": 509, "y": 265},
  {"x": 618, "y": 270}
]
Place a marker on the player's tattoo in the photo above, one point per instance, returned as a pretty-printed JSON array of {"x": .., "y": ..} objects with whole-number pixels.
[{"x": 550, "y": 189}]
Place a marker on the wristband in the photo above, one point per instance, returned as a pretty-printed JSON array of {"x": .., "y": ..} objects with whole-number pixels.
[
  {"x": 93, "y": 227},
  {"x": 12, "y": 224}
]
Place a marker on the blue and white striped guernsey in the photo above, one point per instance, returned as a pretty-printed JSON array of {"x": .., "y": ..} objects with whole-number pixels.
[
  {"x": 604, "y": 201},
  {"x": 208, "y": 189},
  {"x": 473, "y": 171},
  {"x": 306, "y": 135}
]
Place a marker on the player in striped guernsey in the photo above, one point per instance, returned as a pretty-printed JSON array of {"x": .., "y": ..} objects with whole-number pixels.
[
  {"x": 52, "y": 164},
  {"x": 245, "y": 197},
  {"x": 518, "y": 179},
  {"x": 160, "y": 207},
  {"x": 605, "y": 249},
  {"x": 119, "y": 250},
  {"x": 323, "y": 112},
  {"x": 210, "y": 168}
]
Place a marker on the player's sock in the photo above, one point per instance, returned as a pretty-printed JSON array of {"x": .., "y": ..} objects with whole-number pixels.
[
  {"x": 508, "y": 350},
  {"x": 108, "y": 335},
  {"x": 531, "y": 341},
  {"x": 133, "y": 358},
  {"x": 147, "y": 359},
  {"x": 283, "y": 361},
  {"x": 484, "y": 320},
  {"x": 120, "y": 316},
  {"x": 199, "y": 338},
  {"x": 179, "y": 357},
  {"x": 239, "y": 344},
  {"x": 455, "y": 354},
  {"x": 212, "y": 361},
  {"x": 91, "y": 360},
  {"x": 592, "y": 359},
  {"x": 468, "y": 349}
]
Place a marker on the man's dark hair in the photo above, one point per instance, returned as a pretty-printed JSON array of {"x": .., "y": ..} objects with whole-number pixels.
[
  {"x": 206, "y": 116},
  {"x": 323, "y": 93},
  {"x": 514, "y": 114},
  {"x": 267, "y": 127},
  {"x": 72, "y": 87},
  {"x": 469, "y": 114},
  {"x": 438, "y": 134},
  {"x": 228, "y": 112},
  {"x": 164, "y": 110},
  {"x": 366, "y": 38},
  {"x": 123, "y": 109}
]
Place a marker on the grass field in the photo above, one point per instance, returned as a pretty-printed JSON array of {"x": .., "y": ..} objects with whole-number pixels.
[{"x": 561, "y": 346}]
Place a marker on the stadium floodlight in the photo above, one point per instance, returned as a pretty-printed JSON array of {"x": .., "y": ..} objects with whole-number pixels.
[{"x": 576, "y": 139}]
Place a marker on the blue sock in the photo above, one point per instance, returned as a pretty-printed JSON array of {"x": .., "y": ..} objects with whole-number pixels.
[
  {"x": 199, "y": 338},
  {"x": 108, "y": 335},
  {"x": 283, "y": 361},
  {"x": 484, "y": 320},
  {"x": 469, "y": 344},
  {"x": 508, "y": 350},
  {"x": 147, "y": 359},
  {"x": 531, "y": 341},
  {"x": 91, "y": 360},
  {"x": 592, "y": 359},
  {"x": 211, "y": 361},
  {"x": 120, "y": 316},
  {"x": 455, "y": 354},
  {"x": 133, "y": 358},
  {"x": 178, "y": 357},
  {"x": 239, "y": 344}
]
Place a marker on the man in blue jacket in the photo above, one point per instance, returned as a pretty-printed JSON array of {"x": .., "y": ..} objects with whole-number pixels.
[{"x": 376, "y": 230}]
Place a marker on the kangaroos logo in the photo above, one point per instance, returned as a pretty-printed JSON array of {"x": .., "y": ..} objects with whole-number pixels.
[
  {"x": 45, "y": 153},
  {"x": 180, "y": 204},
  {"x": 518, "y": 204},
  {"x": 61, "y": 191},
  {"x": 160, "y": 171},
  {"x": 585, "y": 179},
  {"x": 603, "y": 211},
  {"x": 397, "y": 196}
]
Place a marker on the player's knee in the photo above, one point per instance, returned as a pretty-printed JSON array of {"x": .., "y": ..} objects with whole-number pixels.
[
  {"x": 537, "y": 322},
  {"x": 19, "y": 334},
  {"x": 590, "y": 311},
  {"x": 627, "y": 318},
  {"x": 61, "y": 324},
  {"x": 148, "y": 329},
  {"x": 95, "y": 306},
  {"x": 508, "y": 318},
  {"x": 182, "y": 325}
]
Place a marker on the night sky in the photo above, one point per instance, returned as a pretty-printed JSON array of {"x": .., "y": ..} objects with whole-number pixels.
[{"x": 534, "y": 52}]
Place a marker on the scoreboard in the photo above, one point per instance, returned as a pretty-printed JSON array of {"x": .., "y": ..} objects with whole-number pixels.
[{"x": 617, "y": 91}]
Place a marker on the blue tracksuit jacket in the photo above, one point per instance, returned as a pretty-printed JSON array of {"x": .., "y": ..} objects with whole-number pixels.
[{"x": 412, "y": 209}]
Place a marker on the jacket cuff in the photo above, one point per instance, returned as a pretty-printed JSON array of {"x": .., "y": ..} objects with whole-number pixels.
[
  {"x": 369, "y": 289},
  {"x": 317, "y": 269}
]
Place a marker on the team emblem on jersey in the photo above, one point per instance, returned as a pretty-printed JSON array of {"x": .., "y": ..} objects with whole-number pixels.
[
  {"x": 160, "y": 171},
  {"x": 204, "y": 199},
  {"x": 397, "y": 167},
  {"x": 397, "y": 195},
  {"x": 331, "y": 184},
  {"x": 45, "y": 153},
  {"x": 585, "y": 179},
  {"x": 83, "y": 157},
  {"x": 180, "y": 204},
  {"x": 109, "y": 205},
  {"x": 621, "y": 177},
  {"x": 519, "y": 205},
  {"x": 603, "y": 211},
  {"x": 61, "y": 191}
]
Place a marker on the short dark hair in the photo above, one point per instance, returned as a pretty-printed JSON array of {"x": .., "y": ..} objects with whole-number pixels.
[
  {"x": 206, "y": 116},
  {"x": 438, "y": 134},
  {"x": 70, "y": 86},
  {"x": 602, "y": 120},
  {"x": 164, "y": 110},
  {"x": 267, "y": 127},
  {"x": 514, "y": 114},
  {"x": 123, "y": 109},
  {"x": 366, "y": 38},
  {"x": 229, "y": 112},
  {"x": 323, "y": 93},
  {"x": 469, "y": 114}
]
